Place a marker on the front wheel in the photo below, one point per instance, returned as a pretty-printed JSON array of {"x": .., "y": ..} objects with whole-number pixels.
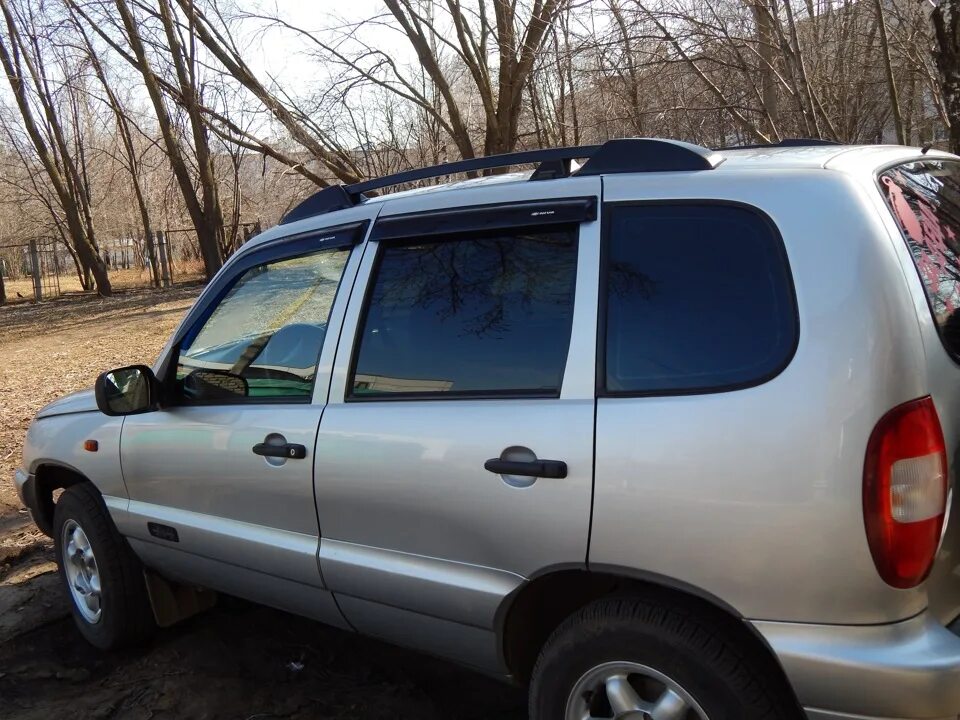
[
  {"x": 102, "y": 577},
  {"x": 632, "y": 659}
]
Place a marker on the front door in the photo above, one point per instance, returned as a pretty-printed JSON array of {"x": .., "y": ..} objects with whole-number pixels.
[
  {"x": 455, "y": 457},
  {"x": 221, "y": 479}
]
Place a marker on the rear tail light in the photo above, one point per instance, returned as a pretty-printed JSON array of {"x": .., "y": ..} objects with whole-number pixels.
[{"x": 905, "y": 492}]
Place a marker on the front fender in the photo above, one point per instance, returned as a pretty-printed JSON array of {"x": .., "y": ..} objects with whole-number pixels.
[{"x": 57, "y": 441}]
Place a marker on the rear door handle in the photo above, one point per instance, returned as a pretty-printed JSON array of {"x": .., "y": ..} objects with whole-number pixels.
[
  {"x": 536, "y": 468},
  {"x": 286, "y": 450}
]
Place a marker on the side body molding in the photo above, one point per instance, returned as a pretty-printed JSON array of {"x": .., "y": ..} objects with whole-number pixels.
[{"x": 464, "y": 593}]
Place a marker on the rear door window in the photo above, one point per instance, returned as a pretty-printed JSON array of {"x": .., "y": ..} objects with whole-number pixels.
[
  {"x": 924, "y": 198},
  {"x": 699, "y": 298},
  {"x": 480, "y": 314}
]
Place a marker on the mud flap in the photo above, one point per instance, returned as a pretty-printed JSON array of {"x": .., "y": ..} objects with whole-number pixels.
[{"x": 172, "y": 602}]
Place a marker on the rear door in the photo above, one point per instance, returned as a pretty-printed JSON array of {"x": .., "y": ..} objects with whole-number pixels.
[
  {"x": 698, "y": 320},
  {"x": 455, "y": 456}
]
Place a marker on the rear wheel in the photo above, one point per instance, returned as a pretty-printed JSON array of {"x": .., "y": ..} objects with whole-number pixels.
[
  {"x": 632, "y": 659},
  {"x": 619, "y": 688},
  {"x": 102, "y": 577}
]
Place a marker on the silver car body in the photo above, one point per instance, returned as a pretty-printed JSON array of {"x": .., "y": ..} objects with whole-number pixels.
[{"x": 750, "y": 498}]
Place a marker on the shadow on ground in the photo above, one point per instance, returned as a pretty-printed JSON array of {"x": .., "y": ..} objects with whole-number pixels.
[
  {"x": 239, "y": 661},
  {"x": 70, "y": 310}
]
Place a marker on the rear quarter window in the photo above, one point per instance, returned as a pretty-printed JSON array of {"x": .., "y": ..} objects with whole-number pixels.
[
  {"x": 924, "y": 198},
  {"x": 699, "y": 298}
]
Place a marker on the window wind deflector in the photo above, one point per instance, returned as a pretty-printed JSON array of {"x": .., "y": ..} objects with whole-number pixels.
[
  {"x": 336, "y": 236},
  {"x": 485, "y": 217}
]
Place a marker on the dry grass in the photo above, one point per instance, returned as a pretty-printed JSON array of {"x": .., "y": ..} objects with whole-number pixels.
[
  {"x": 21, "y": 289},
  {"x": 52, "y": 348}
]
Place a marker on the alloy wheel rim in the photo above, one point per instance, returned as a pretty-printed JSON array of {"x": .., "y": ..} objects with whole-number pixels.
[
  {"x": 623, "y": 690},
  {"x": 83, "y": 575}
]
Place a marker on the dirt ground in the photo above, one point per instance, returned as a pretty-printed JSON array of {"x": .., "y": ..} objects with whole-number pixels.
[{"x": 235, "y": 661}]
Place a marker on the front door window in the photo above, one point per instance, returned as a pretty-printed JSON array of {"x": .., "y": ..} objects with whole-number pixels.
[{"x": 263, "y": 340}]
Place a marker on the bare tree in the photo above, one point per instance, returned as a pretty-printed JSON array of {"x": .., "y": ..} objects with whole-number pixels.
[
  {"x": 946, "y": 52},
  {"x": 22, "y": 62},
  {"x": 125, "y": 133},
  {"x": 216, "y": 143},
  {"x": 495, "y": 45},
  {"x": 201, "y": 199},
  {"x": 215, "y": 35},
  {"x": 889, "y": 72}
]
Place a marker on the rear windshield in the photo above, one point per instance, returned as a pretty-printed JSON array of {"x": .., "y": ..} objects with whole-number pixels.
[{"x": 924, "y": 197}]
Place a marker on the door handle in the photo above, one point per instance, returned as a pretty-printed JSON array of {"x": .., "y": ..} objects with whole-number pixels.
[
  {"x": 536, "y": 468},
  {"x": 286, "y": 450}
]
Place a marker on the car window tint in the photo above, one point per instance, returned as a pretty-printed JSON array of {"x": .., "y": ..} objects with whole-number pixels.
[
  {"x": 264, "y": 338},
  {"x": 924, "y": 198},
  {"x": 698, "y": 298},
  {"x": 471, "y": 315}
]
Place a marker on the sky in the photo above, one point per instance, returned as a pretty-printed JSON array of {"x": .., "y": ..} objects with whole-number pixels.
[{"x": 281, "y": 53}]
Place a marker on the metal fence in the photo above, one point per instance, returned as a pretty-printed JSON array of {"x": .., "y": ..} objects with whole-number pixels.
[
  {"x": 39, "y": 265},
  {"x": 44, "y": 269}
]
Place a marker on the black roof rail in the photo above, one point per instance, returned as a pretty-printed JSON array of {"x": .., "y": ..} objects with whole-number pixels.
[
  {"x": 614, "y": 156},
  {"x": 338, "y": 197},
  {"x": 785, "y": 143},
  {"x": 649, "y": 155}
]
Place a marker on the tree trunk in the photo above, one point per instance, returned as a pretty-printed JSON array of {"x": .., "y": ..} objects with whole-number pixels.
[
  {"x": 946, "y": 55},
  {"x": 766, "y": 49},
  {"x": 888, "y": 72},
  {"x": 198, "y": 211},
  {"x": 210, "y": 233},
  {"x": 82, "y": 243}
]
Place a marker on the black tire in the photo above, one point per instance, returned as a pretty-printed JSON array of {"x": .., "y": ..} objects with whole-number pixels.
[
  {"x": 697, "y": 654},
  {"x": 125, "y": 616}
]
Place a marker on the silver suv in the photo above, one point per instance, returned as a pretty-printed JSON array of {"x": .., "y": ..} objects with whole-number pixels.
[{"x": 663, "y": 435}]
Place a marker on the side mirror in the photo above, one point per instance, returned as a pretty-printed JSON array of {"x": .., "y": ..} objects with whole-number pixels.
[{"x": 127, "y": 391}]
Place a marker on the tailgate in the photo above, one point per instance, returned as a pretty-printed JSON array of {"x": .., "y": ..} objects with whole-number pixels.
[{"x": 923, "y": 197}]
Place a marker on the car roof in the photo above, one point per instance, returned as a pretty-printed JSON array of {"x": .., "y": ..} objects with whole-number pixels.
[
  {"x": 839, "y": 157},
  {"x": 842, "y": 158},
  {"x": 833, "y": 157}
]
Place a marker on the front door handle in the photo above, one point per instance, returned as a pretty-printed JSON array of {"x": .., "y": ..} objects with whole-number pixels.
[
  {"x": 286, "y": 450},
  {"x": 535, "y": 468}
]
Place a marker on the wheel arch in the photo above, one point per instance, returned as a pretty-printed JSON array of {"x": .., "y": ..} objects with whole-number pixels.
[
  {"x": 50, "y": 476},
  {"x": 528, "y": 617}
]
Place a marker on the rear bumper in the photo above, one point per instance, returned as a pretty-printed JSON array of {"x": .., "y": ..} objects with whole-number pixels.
[{"x": 903, "y": 671}]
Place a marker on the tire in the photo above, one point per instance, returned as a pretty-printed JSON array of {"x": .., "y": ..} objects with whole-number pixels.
[
  {"x": 119, "y": 614},
  {"x": 659, "y": 649}
]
